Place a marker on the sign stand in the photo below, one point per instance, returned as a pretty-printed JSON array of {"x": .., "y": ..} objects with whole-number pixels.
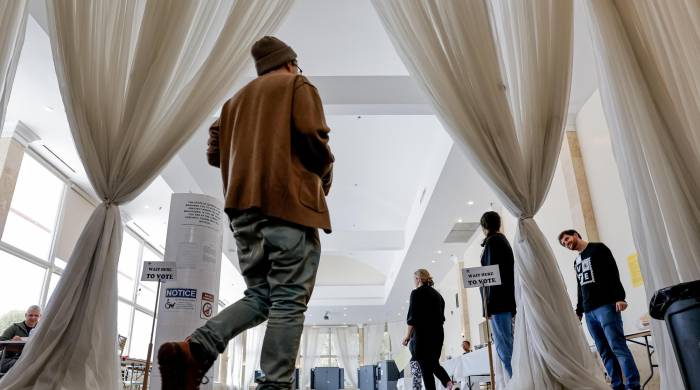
[
  {"x": 488, "y": 341},
  {"x": 147, "y": 370},
  {"x": 159, "y": 271},
  {"x": 484, "y": 277}
]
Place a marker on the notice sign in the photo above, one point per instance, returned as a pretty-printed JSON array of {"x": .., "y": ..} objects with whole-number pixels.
[
  {"x": 481, "y": 276},
  {"x": 207, "y": 306},
  {"x": 154, "y": 271},
  {"x": 180, "y": 299}
]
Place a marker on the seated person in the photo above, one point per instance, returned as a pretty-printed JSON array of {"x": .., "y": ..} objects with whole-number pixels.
[
  {"x": 19, "y": 331},
  {"x": 466, "y": 346}
]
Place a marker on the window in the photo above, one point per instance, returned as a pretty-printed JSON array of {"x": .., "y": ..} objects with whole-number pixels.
[
  {"x": 44, "y": 223},
  {"x": 22, "y": 285},
  {"x": 34, "y": 209},
  {"x": 140, "y": 335},
  {"x": 128, "y": 264},
  {"x": 135, "y": 317},
  {"x": 74, "y": 216},
  {"x": 124, "y": 322}
]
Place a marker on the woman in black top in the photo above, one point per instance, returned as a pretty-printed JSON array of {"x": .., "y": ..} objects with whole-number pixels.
[
  {"x": 500, "y": 300},
  {"x": 425, "y": 319}
]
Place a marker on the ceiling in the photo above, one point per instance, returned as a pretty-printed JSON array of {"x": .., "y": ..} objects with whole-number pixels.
[{"x": 400, "y": 184}]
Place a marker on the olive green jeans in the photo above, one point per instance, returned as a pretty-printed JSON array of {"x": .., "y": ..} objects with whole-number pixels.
[{"x": 278, "y": 262}]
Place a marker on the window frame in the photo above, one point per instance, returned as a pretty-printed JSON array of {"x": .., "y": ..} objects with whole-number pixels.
[{"x": 49, "y": 266}]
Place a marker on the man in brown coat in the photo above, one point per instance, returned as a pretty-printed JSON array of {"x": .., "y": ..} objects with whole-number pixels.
[{"x": 271, "y": 144}]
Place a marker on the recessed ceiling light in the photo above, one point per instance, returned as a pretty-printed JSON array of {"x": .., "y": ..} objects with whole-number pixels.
[
  {"x": 439, "y": 252},
  {"x": 459, "y": 220},
  {"x": 432, "y": 261},
  {"x": 146, "y": 207},
  {"x": 345, "y": 308},
  {"x": 48, "y": 108},
  {"x": 369, "y": 319},
  {"x": 470, "y": 203},
  {"x": 345, "y": 314}
]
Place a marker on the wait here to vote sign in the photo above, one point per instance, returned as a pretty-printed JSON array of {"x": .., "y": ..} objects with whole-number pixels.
[
  {"x": 481, "y": 276},
  {"x": 154, "y": 271}
]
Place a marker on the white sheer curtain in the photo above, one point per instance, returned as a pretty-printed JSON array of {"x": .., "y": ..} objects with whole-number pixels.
[
  {"x": 310, "y": 352},
  {"x": 374, "y": 335},
  {"x": 347, "y": 340},
  {"x": 648, "y": 61},
  {"x": 137, "y": 79},
  {"x": 235, "y": 363},
  {"x": 397, "y": 331},
  {"x": 13, "y": 23},
  {"x": 498, "y": 74},
  {"x": 253, "y": 345}
]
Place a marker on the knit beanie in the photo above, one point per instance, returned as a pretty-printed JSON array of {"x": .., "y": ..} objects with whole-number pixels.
[{"x": 270, "y": 53}]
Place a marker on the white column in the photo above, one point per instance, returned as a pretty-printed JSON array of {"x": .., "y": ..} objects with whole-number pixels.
[
  {"x": 16, "y": 137},
  {"x": 194, "y": 241}
]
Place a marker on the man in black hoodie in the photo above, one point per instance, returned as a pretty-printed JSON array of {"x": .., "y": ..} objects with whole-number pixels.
[
  {"x": 601, "y": 298},
  {"x": 500, "y": 300}
]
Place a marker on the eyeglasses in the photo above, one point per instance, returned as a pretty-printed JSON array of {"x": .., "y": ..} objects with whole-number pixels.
[{"x": 294, "y": 63}]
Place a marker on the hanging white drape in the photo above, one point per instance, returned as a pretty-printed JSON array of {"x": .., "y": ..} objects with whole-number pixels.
[
  {"x": 253, "y": 345},
  {"x": 137, "y": 78},
  {"x": 13, "y": 23},
  {"x": 648, "y": 61},
  {"x": 310, "y": 352},
  {"x": 235, "y": 363},
  {"x": 373, "y": 337},
  {"x": 397, "y": 332},
  {"x": 347, "y": 342},
  {"x": 498, "y": 75}
]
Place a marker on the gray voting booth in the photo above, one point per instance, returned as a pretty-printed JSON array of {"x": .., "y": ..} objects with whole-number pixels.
[
  {"x": 382, "y": 376},
  {"x": 327, "y": 378},
  {"x": 367, "y": 377},
  {"x": 387, "y": 375}
]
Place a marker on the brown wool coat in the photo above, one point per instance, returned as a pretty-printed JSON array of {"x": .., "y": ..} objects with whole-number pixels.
[{"x": 271, "y": 143}]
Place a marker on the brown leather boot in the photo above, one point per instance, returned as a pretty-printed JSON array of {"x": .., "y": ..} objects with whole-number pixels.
[{"x": 180, "y": 368}]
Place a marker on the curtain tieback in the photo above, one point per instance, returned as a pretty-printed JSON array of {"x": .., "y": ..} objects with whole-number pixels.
[{"x": 525, "y": 216}]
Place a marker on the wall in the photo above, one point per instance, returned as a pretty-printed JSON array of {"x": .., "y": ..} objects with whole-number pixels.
[
  {"x": 454, "y": 333},
  {"x": 608, "y": 201}
]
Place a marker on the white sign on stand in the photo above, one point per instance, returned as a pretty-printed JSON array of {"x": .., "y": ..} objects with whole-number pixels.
[
  {"x": 481, "y": 276},
  {"x": 486, "y": 276},
  {"x": 159, "y": 271},
  {"x": 194, "y": 243}
]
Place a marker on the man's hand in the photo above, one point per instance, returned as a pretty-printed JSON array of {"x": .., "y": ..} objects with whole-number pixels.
[
  {"x": 620, "y": 306},
  {"x": 16, "y": 338},
  {"x": 406, "y": 340}
]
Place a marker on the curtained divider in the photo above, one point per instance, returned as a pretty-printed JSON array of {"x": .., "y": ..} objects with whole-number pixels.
[
  {"x": 347, "y": 340},
  {"x": 498, "y": 76},
  {"x": 137, "y": 79},
  {"x": 647, "y": 57},
  {"x": 13, "y": 23}
]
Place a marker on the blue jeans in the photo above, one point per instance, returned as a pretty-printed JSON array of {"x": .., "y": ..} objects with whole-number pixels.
[
  {"x": 502, "y": 330},
  {"x": 605, "y": 326}
]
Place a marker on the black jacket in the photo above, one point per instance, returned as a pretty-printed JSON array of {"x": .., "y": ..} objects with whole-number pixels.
[
  {"x": 497, "y": 251},
  {"x": 426, "y": 308},
  {"x": 597, "y": 278},
  {"x": 17, "y": 329}
]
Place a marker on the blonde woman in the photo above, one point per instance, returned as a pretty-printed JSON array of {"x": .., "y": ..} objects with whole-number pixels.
[{"x": 425, "y": 318}]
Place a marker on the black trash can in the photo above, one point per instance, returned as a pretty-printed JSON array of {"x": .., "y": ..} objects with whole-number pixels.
[{"x": 679, "y": 306}]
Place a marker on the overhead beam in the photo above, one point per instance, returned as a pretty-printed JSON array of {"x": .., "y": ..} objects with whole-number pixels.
[{"x": 364, "y": 240}]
